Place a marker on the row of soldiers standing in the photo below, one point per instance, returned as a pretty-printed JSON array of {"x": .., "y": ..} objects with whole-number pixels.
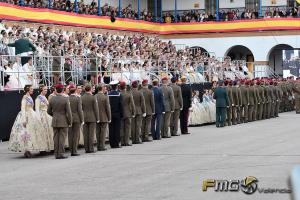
[
  {"x": 131, "y": 115},
  {"x": 258, "y": 99}
]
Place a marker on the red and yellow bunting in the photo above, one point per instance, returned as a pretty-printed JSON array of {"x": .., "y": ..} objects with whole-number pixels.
[{"x": 12, "y": 12}]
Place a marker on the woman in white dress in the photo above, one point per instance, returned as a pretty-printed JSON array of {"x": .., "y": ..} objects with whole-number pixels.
[
  {"x": 27, "y": 133},
  {"x": 41, "y": 106},
  {"x": 13, "y": 82},
  {"x": 197, "y": 116},
  {"x": 208, "y": 107},
  {"x": 213, "y": 105}
]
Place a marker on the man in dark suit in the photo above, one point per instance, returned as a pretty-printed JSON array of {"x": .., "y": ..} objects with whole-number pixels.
[
  {"x": 116, "y": 115},
  {"x": 187, "y": 104},
  {"x": 159, "y": 110},
  {"x": 150, "y": 109},
  {"x": 24, "y": 48},
  {"x": 222, "y": 102},
  {"x": 91, "y": 117},
  {"x": 60, "y": 110},
  {"x": 105, "y": 117},
  {"x": 77, "y": 116}
]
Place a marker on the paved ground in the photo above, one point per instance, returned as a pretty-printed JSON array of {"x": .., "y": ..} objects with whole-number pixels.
[{"x": 170, "y": 169}]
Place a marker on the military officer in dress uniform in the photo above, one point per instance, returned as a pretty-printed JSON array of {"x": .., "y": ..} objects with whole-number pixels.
[
  {"x": 296, "y": 91},
  {"x": 278, "y": 100},
  {"x": 260, "y": 106},
  {"x": 255, "y": 109},
  {"x": 169, "y": 107},
  {"x": 91, "y": 118},
  {"x": 235, "y": 102},
  {"x": 222, "y": 102},
  {"x": 274, "y": 98},
  {"x": 229, "y": 108},
  {"x": 77, "y": 116},
  {"x": 252, "y": 100},
  {"x": 140, "y": 113},
  {"x": 116, "y": 115},
  {"x": 150, "y": 110},
  {"x": 128, "y": 114},
  {"x": 245, "y": 101},
  {"x": 266, "y": 99},
  {"x": 60, "y": 110},
  {"x": 104, "y": 117},
  {"x": 178, "y": 107}
]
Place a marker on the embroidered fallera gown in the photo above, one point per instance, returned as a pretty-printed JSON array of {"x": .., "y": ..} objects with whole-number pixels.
[
  {"x": 30, "y": 137},
  {"x": 41, "y": 105}
]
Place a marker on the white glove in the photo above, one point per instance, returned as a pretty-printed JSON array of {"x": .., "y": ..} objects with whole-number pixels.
[
  {"x": 163, "y": 112},
  {"x": 232, "y": 105},
  {"x": 181, "y": 108},
  {"x": 82, "y": 123},
  {"x": 109, "y": 121},
  {"x": 133, "y": 116},
  {"x": 190, "y": 108},
  {"x": 153, "y": 113},
  {"x": 98, "y": 122},
  {"x": 144, "y": 114},
  {"x": 172, "y": 111}
]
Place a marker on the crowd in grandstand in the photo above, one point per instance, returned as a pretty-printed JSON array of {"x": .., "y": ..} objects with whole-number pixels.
[
  {"x": 105, "y": 57},
  {"x": 195, "y": 15}
]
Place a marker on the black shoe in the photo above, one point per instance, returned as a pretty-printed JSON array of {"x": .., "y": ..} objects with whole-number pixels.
[
  {"x": 147, "y": 140},
  {"x": 186, "y": 133},
  {"x": 62, "y": 157},
  {"x": 75, "y": 154},
  {"x": 28, "y": 154},
  {"x": 175, "y": 135},
  {"x": 102, "y": 149},
  {"x": 90, "y": 152},
  {"x": 137, "y": 143}
]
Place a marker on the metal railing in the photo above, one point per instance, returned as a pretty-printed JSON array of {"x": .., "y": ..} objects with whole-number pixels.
[{"x": 50, "y": 70}]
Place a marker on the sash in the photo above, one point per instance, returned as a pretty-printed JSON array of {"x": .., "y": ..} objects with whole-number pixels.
[{"x": 29, "y": 100}]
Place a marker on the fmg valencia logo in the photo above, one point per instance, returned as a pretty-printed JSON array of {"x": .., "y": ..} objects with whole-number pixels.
[{"x": 249, "y": 186}]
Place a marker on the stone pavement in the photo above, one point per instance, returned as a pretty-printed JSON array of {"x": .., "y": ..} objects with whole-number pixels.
[{"x": 170, "y": 169}]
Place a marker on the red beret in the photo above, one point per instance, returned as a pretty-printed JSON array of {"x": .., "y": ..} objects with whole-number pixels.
[
  {"x": 145, "y": 82},
  {"x": 59, "y": 86},
  {"x": 122, "y": 84},
  {"x": 72, "y": 86},
  {"x": 258, "y": 82},
  {"x": 134, "y": 84},
  {"x": 251, "y": 82},
  {"x": 271, "y": 82},
  {"x": 230, "y": 82},
  {"x": 164, "y": 78}
]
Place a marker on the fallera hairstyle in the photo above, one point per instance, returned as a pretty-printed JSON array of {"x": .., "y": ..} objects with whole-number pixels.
[{"x": 27, "y": 88}]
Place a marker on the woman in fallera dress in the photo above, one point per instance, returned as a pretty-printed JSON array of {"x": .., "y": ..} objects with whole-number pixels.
[
  {"x": 41, "y": 106},
  {"x": 27, "y": 133}
]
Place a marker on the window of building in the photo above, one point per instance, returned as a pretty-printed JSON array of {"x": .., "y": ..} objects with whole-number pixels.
[{"x": 252, "y": 5}]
